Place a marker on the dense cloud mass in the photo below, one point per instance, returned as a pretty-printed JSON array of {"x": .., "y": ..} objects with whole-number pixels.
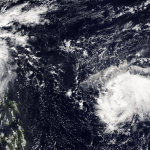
[
  {"x": 123, "y": 96},
  {"x": 74, "y": 75}
]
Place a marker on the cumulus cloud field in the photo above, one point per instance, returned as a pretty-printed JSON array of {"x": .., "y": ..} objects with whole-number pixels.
[
  {"x": 124, "y": 92},
  {"x": 10, "y": 38},
  {"x": 31, "y": 16}
]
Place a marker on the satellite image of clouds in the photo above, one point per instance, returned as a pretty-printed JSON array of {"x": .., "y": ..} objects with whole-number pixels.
[{"x": 74, "y": 75}]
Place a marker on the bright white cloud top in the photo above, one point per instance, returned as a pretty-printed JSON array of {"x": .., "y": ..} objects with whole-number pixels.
[
  {"x": 124, "y": 94},
  {"x": 9, "y": 40},
  {"x": 29, "y": 17}
]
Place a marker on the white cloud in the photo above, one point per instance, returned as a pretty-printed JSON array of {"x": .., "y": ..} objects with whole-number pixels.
[
  {"x": 29, "y": 17},
  {"x": 32, "y": 16},
  {"x": 123, "y": 96}
]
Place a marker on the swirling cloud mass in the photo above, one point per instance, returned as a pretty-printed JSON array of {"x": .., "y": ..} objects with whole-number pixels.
[{"x": 124, "y": 96}]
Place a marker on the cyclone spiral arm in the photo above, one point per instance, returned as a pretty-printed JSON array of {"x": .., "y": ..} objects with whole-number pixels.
[{"x": 124, "y": 94}]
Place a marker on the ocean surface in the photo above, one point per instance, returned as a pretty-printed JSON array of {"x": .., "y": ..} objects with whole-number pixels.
[{"x": 74, "y": 75}]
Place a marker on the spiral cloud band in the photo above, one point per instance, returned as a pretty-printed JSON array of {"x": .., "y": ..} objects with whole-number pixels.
[{"x": 126, "y": 94}]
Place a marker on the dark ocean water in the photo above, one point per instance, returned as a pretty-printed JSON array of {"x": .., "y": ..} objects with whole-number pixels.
[{"x": 57, "y": 50}]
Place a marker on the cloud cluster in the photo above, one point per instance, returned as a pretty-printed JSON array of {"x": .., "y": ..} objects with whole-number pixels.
[
  {"x": 124, "y": 95},
  {"x": 28, "y": 17}
]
